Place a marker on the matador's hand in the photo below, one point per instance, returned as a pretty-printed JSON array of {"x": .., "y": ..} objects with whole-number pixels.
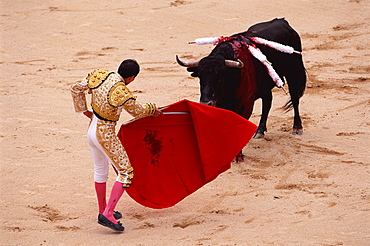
[
  {"x": 157, "y": 113},
  {"x": 88, "y": 114}
]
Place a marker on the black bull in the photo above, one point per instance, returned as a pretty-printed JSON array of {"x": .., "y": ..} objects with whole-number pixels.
[{"x": 225, "y": 85}]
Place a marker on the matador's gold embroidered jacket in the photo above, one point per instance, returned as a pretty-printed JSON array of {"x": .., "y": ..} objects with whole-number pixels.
[{"x": 109, "y": 96}]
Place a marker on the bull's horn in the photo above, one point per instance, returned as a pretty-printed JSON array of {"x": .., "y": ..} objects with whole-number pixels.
[
  {"x": 187, "y": 64},
  {"x": 237, "y": 64}
]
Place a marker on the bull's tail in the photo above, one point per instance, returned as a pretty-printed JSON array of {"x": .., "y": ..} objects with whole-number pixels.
[
  {"x": 288, "y": 106},
  {"x": 297, "y": 86}
]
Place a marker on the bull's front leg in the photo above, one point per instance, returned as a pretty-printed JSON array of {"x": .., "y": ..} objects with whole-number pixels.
[
  {"x": 266, "y": 106},
  {"x": 239, "y": 157}
]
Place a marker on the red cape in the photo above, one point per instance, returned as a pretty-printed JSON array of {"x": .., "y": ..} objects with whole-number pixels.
[{"x": 177, "y": 153}]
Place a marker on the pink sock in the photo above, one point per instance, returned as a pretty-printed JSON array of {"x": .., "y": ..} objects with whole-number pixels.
[
  {"x": 100, "y": 189},
  {"x": 115, "y": 195}
]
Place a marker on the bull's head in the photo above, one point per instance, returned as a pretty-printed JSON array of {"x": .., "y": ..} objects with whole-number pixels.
[{"x": 211, "y": 71}]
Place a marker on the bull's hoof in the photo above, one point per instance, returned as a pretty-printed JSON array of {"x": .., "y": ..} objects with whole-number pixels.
[
  {"x": 238, "y": 159},
  {"x": 258, "y": 135},
  {"x": 297, "y": 131}
]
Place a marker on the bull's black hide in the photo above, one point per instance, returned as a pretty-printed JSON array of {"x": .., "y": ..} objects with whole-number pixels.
[{"x": 236, "y": 89}]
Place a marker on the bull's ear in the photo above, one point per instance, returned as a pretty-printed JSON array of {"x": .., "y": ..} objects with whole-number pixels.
[{"x": 194, "y": 71}]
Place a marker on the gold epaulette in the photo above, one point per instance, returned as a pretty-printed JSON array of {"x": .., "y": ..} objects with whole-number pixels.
[
  {"x": 119, "y": 94},
  {"x": 97, "y": 77}
]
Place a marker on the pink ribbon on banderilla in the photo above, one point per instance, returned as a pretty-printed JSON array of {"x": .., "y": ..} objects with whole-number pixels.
[{"x": 254, "y": 51}]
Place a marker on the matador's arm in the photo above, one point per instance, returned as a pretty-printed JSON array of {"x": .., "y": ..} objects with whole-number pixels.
[
  {"x": 138, "y": 110},
  {"x": 79, "y": 96}
]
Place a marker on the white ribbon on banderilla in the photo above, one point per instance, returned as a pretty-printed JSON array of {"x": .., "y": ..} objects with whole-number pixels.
[{"x": 256, "y": 52}]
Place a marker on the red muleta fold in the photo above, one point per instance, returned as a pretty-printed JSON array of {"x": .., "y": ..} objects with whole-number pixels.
[{"x": 179, "y": 152}]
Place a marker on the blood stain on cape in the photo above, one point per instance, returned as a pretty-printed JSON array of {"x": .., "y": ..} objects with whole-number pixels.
[{"x": 155, "y": 145}]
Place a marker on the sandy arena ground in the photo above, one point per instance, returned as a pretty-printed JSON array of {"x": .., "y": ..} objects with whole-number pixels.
[{"x": 290, "y": 190}]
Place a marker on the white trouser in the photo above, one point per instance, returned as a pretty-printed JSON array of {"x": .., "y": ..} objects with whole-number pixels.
[{"x": 100, "y": 158}]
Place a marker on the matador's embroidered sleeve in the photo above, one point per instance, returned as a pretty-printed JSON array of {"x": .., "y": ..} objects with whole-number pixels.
[
  {"x": 139, "y": 110},
  {"x": 79, "y": 96}
]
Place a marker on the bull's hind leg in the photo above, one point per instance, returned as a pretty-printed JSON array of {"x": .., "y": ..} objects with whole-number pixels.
[
  {"x": 297, "y": 124},
  {"x": 297, "y": 83},
  {"x": 266, "y": 106}
]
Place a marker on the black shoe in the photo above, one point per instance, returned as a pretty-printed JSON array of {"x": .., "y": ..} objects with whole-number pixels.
[
  {"x": 102, "y": 220},
  {"x": 117, "y": 215}
]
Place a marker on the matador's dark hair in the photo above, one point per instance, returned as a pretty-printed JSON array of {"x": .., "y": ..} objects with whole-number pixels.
[{"x": 128, "y": 68}]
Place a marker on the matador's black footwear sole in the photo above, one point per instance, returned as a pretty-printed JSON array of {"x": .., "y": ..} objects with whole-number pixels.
[{"x": 102, "y": 220}]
